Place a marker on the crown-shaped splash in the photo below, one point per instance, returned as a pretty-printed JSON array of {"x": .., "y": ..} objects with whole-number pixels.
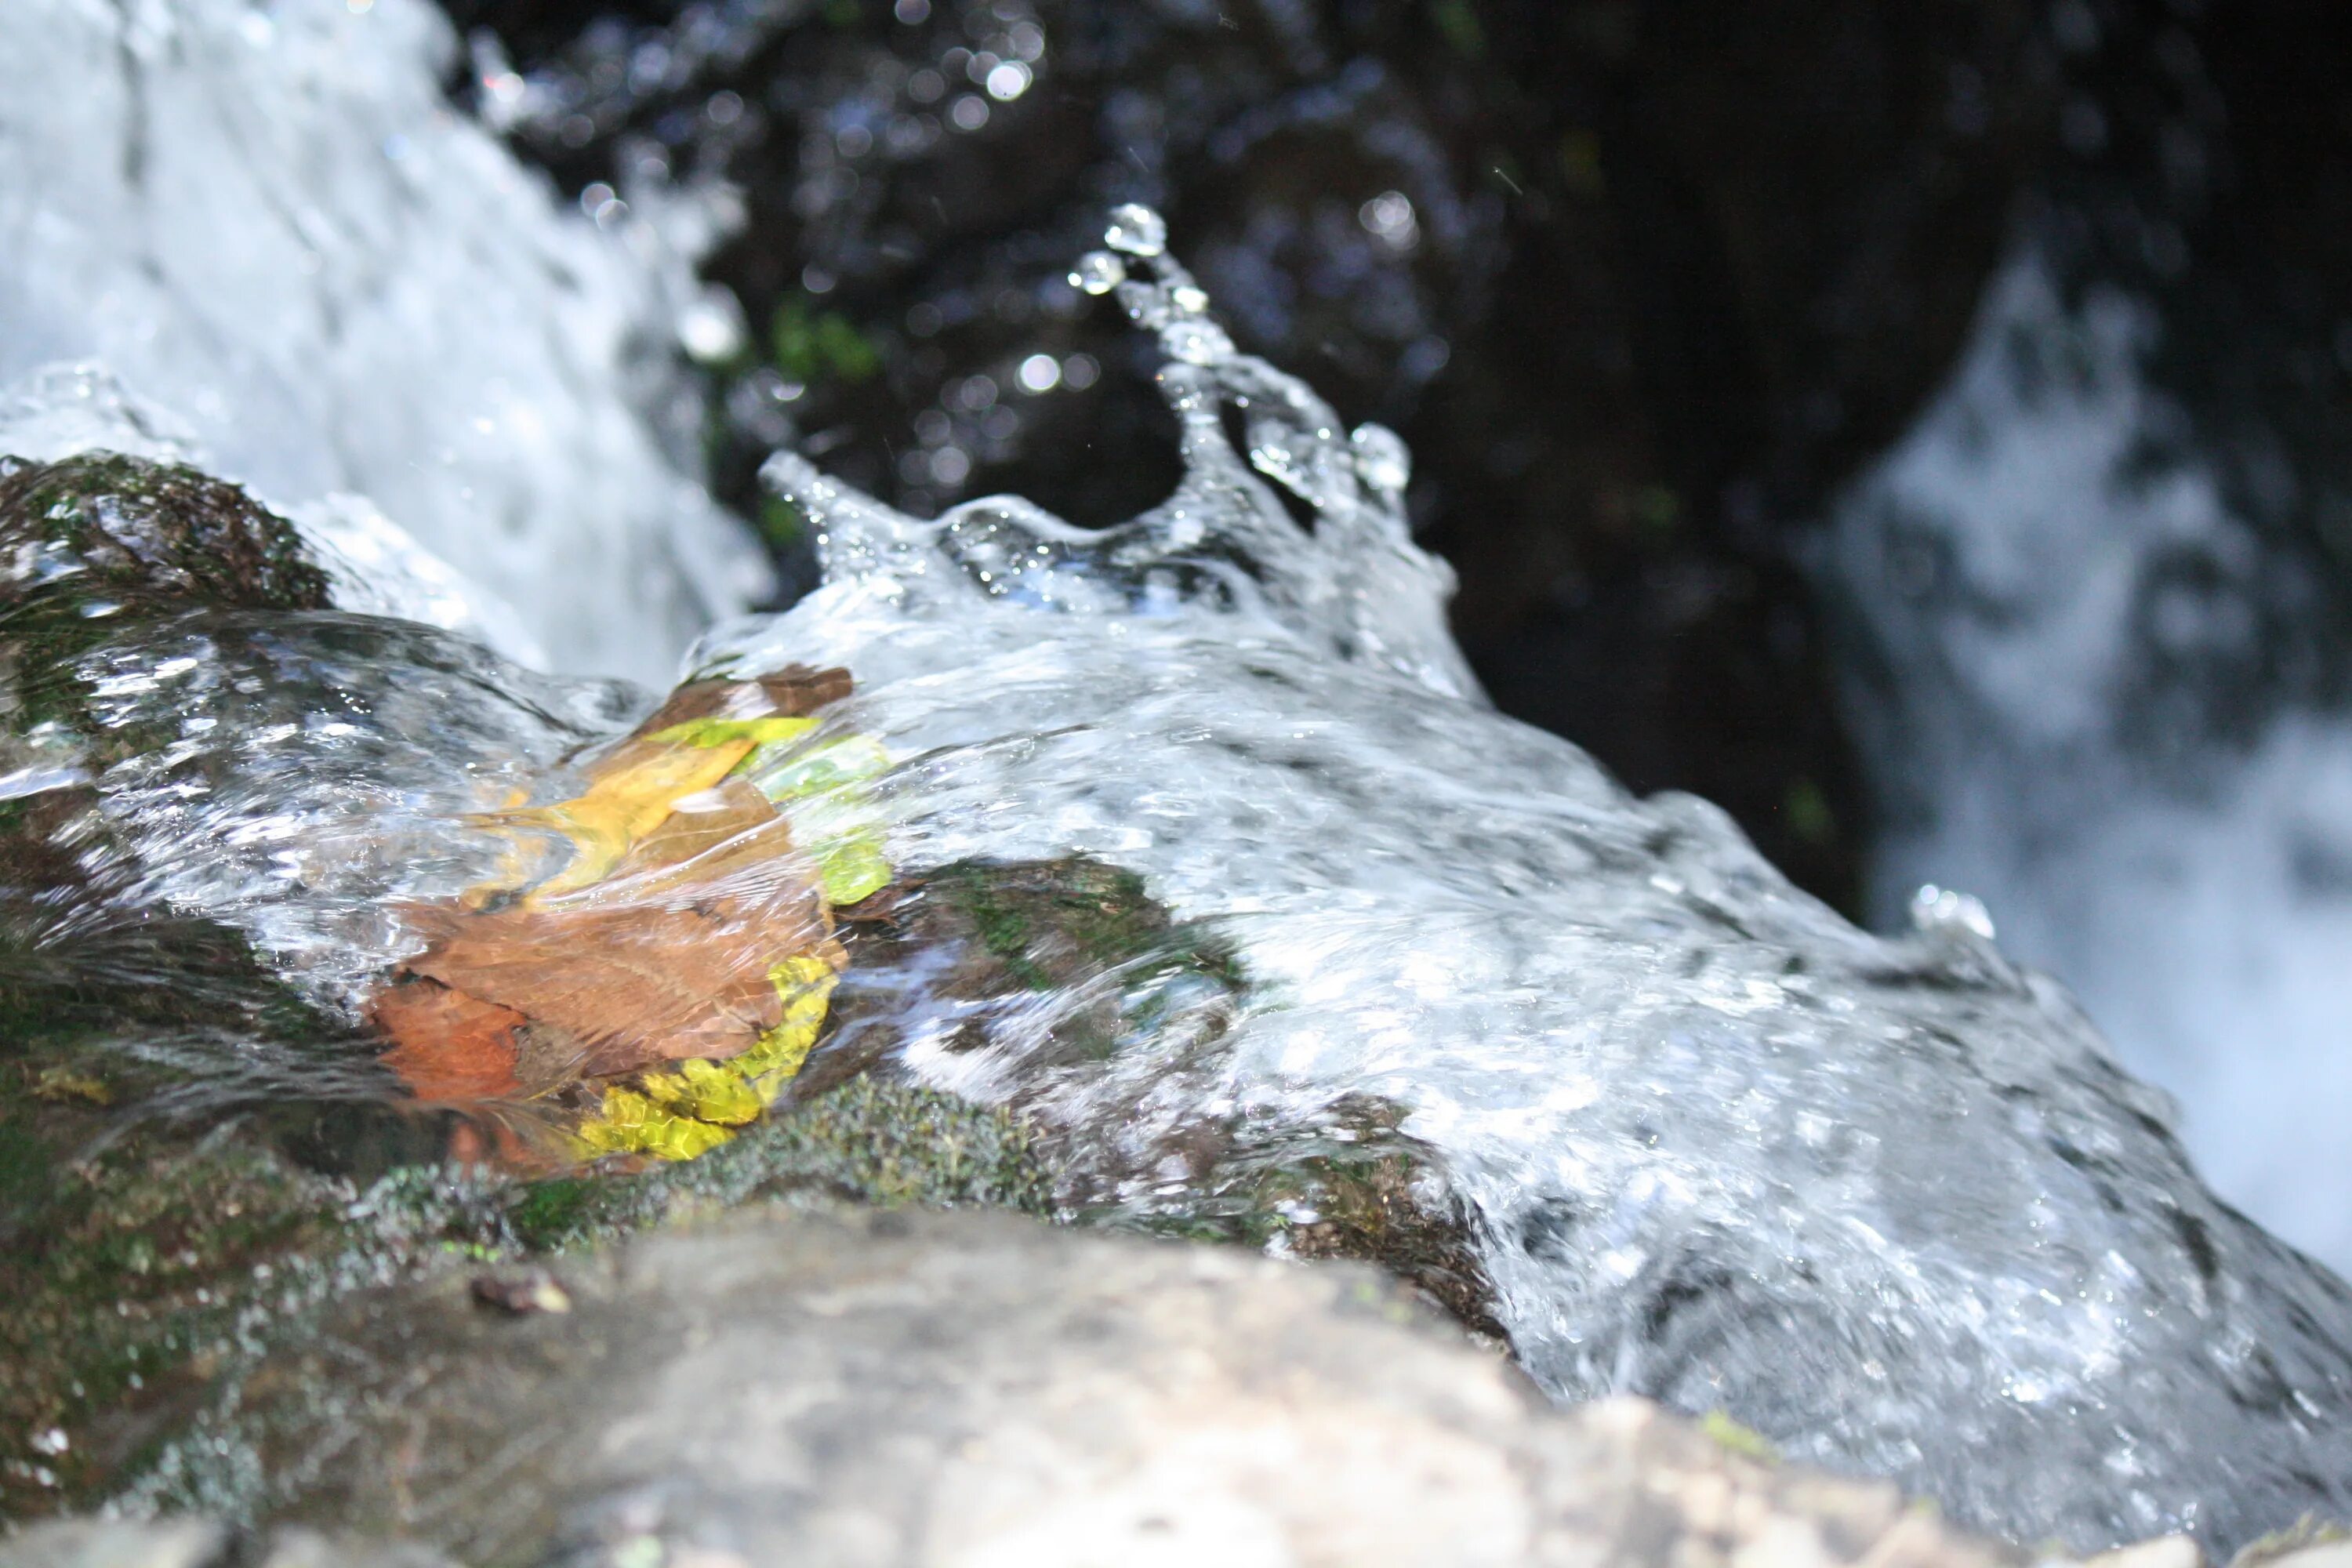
[{"x": 1350, "y": 580}]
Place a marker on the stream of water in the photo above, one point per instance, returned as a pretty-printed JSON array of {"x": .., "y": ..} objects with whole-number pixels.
[{"x": 1891, "y": 1202}]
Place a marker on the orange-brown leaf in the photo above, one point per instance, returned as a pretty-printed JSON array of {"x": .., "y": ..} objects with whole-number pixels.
[
  {"x": 666, "y": 963},
  {"x": 447, "y": 1045}
]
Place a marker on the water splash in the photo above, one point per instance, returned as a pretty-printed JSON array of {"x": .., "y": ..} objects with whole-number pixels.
[
  {"x": 267, "y": 220},
  {"x": 1889, "y": 1203},
  {"x": 2072, "y": 706},
  {"x": 1351, "y": 583}
]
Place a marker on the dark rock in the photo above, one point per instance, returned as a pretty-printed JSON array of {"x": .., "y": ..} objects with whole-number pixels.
[{"x": 109, "y": 531}]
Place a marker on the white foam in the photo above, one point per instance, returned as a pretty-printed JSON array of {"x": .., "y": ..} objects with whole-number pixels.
[{"x": 268, "y": 220}]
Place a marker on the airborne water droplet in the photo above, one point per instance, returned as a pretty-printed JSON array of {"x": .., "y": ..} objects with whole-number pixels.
[
  {"x": 1381, "y": 457},
  {"x": 1098, "y": 272},
  {"x": 1136, "y": 229},
  {"x": 1196, "y": 342}
]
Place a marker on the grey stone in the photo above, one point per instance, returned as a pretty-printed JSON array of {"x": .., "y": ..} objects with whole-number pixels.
[{"x": 968, "y": 1389}]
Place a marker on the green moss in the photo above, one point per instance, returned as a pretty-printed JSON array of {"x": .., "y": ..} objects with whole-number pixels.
[
  {"x": 27, "y": 1174},
  {"x": 151, "y": 1262},
  {"x": 812, "y": 345},
  {"x": 109, "y": 530},
  {"x": 1353, "y": 1189},
  {"x": 867, "y": 1141},
  {"x": 547, "y": 1213},
  {"x": 108, "y": 538},
  {"x": 1053, "y": 923}
]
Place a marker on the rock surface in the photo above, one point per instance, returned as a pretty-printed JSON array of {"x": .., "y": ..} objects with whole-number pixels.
[{"x": 859, "y": 1386}]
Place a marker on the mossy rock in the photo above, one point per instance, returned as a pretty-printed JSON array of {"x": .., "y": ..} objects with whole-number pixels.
[
  {"x": 154, "y": 1261},
  {"x": 102, "y": 529},
  {"x": 89, "y": 541},
  {"x": 990, "y": 938},
  {"x": 867, "y": 1141},
  {"x": 167, "y": 1258}
]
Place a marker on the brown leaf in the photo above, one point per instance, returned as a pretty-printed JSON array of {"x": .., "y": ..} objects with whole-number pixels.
[
  {"x": 665, "y": 959},
  {"x": 720, "y": 829},
  {"x": 447, "y": 1045}
]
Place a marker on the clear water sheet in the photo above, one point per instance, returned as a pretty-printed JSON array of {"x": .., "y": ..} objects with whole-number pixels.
[{"x": 1890, "y": 1202}]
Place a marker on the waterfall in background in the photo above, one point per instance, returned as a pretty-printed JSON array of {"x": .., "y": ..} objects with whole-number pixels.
[
  {"x": 272, "y": 224},
  {"x": 2062, "y": 697}
]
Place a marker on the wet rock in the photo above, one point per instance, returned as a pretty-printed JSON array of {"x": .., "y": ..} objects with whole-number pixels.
[
  {"x": 102, "y": 526},
  {"x": 853, "y": 1388},
  {"x": 122, "y": 1302},
  {"x": 97, "y": 539}
]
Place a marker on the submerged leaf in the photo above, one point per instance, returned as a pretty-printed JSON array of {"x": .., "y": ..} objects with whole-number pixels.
[
  {"x": 447, "y": 1045},
  {"x": 630, "y": 794},
  {"x": 678, "y": 1115},
  {"x": 726, "y": 732},
  {"x": 686, "y": 951},
  {"x": 640, "y": 969}
]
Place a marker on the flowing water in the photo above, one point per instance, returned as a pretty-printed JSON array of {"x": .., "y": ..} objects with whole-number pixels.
[
  {"x": 2072, "y": 631},
  {"x": 1890, "y": 1202},
  {"x": 268, "y": 221}
]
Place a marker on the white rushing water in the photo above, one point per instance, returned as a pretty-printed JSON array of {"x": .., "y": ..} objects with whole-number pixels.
[
  {"x": 1888, "y": 1201},
  {"x": 1891, "y": 1202},
  {"x": 2023, "y": 572},
  {"x": 266, "y": 219}
]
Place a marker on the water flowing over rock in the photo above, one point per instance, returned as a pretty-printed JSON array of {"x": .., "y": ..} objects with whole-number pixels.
[
  {"x": 1888, "y": 1202},
  {"x": 2083, "y": 711},
  {"x": 1720, "y": 1146},
  {"x": 268, "y": 221}
]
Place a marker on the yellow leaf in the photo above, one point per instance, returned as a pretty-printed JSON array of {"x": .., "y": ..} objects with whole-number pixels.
[
  {"x": 634, "y": 1124},
  {"x": 629, "y": 794},
  {"x": 690, "y": 1110},
  {"x": 817, "y": 770},
  {"x": 804, "y": 983},
  {"x": 723, "y": 731},
  {"x": 851, "y": 867}
]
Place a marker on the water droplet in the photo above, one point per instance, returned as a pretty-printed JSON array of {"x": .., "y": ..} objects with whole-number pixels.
[
  {"x": 1946, "y": 910},
  {"x": 1196, "y": 342},
  {"x": 1136, "y": 229},
  {"x": 1098, "y": 272},
  {"x": 1008, "y": 81},
  {"x": 1189, "y": 298},
  {"x": 1381, "y": 457}
]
